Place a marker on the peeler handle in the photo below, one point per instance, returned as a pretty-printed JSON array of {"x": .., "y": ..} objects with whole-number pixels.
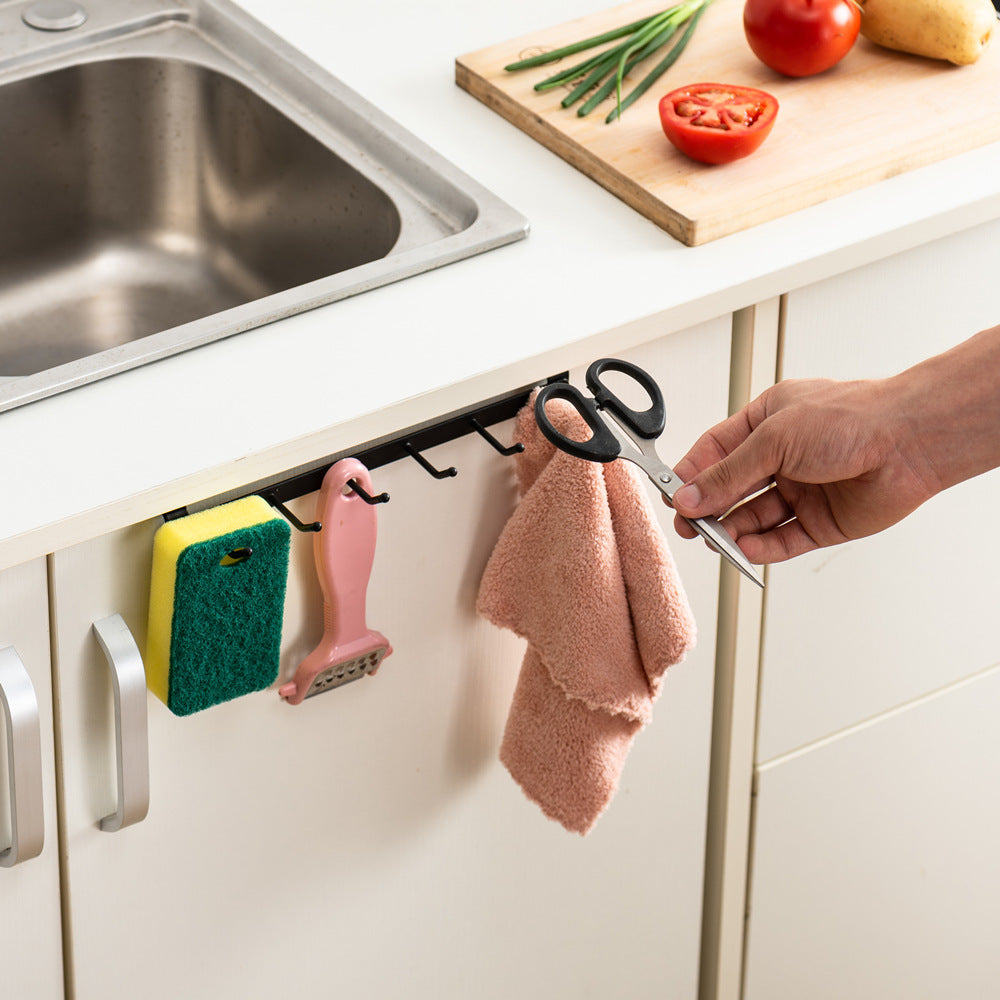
[{"x": 345, "y": 549}]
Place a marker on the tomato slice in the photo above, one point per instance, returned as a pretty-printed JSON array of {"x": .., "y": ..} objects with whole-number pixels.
[{"x": 715, "y": 122}]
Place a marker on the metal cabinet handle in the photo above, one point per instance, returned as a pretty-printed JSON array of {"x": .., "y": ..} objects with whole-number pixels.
[
  {"x": 24, "y": 760},
  {"x": 131, "y": 731}
]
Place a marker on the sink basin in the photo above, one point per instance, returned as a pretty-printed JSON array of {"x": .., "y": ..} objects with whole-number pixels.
[{"x": 173, "y": 174}]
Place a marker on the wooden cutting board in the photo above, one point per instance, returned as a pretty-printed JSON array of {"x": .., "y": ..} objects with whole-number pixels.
[{"x": 876, "y": 114}]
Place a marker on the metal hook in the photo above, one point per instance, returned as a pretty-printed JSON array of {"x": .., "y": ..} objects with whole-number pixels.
[
  {"x": 367, "y": 497},
  {"x": 513, "y": 449},
  {"x": 292, "y": 519},
  {"x": 436, "y": 473}
]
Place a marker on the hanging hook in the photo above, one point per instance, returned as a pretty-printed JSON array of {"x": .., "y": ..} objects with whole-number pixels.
[
  {"x": 503, "y": 449},
  {"x": 367, "y": 497},
  {"x": 436, "y": 473},
  {"x": 292, "y": 519}
]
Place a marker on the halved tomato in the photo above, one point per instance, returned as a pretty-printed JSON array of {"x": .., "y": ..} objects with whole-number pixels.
[{"x": 716, "y": 122}]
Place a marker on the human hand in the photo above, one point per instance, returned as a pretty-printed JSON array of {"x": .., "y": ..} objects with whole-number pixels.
[{"x": 835, "y": 461}]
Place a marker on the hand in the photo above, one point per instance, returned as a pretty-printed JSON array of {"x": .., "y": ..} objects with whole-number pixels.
[
  {"x": 834, "y": 459},
  {"x": 841, "y": 460}
]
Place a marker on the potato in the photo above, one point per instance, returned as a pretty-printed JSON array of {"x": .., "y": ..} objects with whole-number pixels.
[{"x": 955, "y": 30}]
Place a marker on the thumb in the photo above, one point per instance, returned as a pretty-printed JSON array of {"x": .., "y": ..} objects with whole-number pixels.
[{"x": 744, "y": 471}]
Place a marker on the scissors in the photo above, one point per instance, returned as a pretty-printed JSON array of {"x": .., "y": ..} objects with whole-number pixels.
[{"x": 630, "y": 434}]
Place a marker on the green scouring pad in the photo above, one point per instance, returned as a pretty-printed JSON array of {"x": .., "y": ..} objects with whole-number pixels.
[{"x": 216, "y": 604}]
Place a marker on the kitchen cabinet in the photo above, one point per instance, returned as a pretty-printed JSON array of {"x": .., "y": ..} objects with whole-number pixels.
[
  {"x": 367, "y": 842},
  {"x": 30, "y": 922},
  {"x": 873, "y": 869},
  {"x": 855, "y": 630}
]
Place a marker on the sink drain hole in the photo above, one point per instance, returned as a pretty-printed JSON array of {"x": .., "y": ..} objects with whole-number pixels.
[{"x": 54, "y": 15}]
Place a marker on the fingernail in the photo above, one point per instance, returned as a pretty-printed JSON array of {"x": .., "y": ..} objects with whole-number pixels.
[{"x": 688, "y": 496}]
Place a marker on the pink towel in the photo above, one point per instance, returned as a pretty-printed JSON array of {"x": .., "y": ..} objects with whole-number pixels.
[{"x": 583, "y": 572}]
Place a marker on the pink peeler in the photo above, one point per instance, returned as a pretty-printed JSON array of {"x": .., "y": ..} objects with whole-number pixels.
[{"x": 344, "y": 550}]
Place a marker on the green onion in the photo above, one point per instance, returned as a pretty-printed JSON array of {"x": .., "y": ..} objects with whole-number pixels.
[
  {"x": 614, "y": 82},
  {"x": 569, "y": 50},
  {"x": 574, "y": 72},
  {"x": 607, "y": 69},
  {"x": 660, "y": 68},
  {"x": 589, "y": 81}
]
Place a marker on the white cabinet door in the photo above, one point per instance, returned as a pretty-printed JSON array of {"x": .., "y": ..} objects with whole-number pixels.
[
  {"x": 876, "y": 871},
  {"x": 857, "y": 629},
  {"x": 368, "y": 842},
  {"x": 30, "y": 926}
]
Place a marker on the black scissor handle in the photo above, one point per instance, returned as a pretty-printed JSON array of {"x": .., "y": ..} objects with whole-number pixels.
[
  {"x": 602, "y": 447},
  {"x": 647, "y": 424}
]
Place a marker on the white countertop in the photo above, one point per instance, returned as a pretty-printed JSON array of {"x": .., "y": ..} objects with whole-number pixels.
[{"x": 200, "y": 423}]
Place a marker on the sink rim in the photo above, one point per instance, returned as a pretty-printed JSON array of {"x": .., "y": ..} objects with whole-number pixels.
[{"x": 219, "y": 35}]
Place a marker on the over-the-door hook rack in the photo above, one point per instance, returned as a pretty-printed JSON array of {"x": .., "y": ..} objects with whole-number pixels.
[
  {"x": 272, "y": 499},
  {"x": 365, "y": 495},
  {"x": 506, "y": 450},
  {"x": 408, "y": 443},
  {"x": 436, "y": 473}
]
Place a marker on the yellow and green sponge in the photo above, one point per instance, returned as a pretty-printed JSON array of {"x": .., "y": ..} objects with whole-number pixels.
[{"x": 216, "y": 604}]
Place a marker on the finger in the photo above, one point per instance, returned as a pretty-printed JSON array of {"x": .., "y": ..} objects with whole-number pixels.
[
  {"x": 748, "y": 469},
  {"x": 784, "y": 542},
  {"x": 727, "y": 435},
  {"x": 714, "y": 445},
  {"x": 759, "y": 514},
  {"x": 683, "y": 527}
]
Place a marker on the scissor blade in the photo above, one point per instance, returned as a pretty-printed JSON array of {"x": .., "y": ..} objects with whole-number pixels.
[
  {"x": 717, "y": 536},
  {"x": 668, "y": 483},
  {"x": 643, "y": 453}
]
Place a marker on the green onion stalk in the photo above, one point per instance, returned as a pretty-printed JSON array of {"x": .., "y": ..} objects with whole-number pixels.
[{"x": 607, "y": 69}]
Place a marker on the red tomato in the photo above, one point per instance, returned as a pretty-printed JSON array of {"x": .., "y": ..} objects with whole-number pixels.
[
  {"x": 716, "y": 123},
  {"x": 801, "y": 37}
]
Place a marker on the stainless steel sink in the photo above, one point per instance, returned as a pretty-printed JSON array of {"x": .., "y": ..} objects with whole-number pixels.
[{"x": 173, "y": 173}]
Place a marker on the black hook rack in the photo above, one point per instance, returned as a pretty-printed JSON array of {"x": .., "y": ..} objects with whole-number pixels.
[
  {"x": 365, "y": 495},
  {"x": 298, "y": 525},
  {"x": 506, "y": 450},
  {"x": 424, "y": 464},
  {"x": 407, "y": 444}
]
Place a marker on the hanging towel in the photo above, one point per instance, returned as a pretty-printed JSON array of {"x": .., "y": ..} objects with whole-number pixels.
[{"x": 583, "y": 573}]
